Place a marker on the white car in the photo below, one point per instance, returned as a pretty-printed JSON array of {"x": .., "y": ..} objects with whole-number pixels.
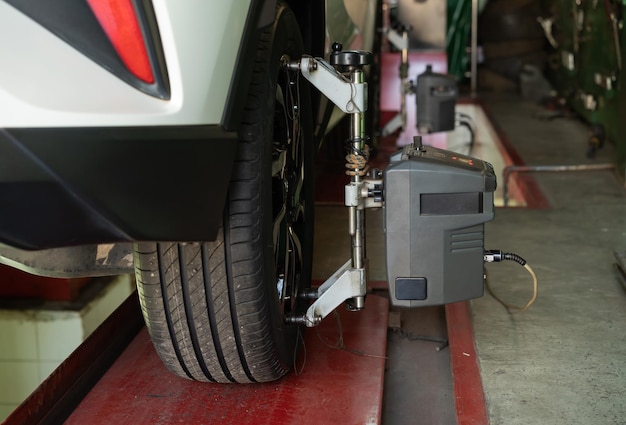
[{"x": 171, "y": 125}]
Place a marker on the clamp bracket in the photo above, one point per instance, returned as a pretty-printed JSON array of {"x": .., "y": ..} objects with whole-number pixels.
[
  {"x": 345, "y": 283},
  {"x": 342, "y": 82},
  {"x": 350, "y": 97}
]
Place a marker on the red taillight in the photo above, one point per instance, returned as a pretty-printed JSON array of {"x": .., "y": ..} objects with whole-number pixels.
[{"x": 119, "y": 21}]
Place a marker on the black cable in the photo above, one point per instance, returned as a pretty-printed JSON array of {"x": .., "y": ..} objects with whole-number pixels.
[
  {"x": 466, "y": 121},
  {"x": 495, "y": 256}
]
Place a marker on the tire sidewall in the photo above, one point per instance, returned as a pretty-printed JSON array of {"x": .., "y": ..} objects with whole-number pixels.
[{"x": 285, "y": 40}]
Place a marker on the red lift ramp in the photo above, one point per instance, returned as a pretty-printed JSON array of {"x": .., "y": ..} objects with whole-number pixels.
[{"x": 336, "y": 385}]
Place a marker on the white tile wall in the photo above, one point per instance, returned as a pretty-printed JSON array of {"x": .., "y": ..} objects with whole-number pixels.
[
  {"x": 34, "y": 342},
  {"x": 58, "y": 334},
  {"x": 116, "y": 293},
  {"x": 18, "y": 336},
  {"x": 6, "y": 409},
  {"x": 19, "y": 379},
  {"x": 46, "y": 367}
]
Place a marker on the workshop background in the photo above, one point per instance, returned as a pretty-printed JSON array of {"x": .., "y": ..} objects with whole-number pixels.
[{"x": 548, "y": 100}]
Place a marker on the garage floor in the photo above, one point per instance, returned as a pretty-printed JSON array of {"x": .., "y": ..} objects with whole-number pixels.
[
  {"x": 564, "y": 360},
  {"x": 561, "y": 362}
]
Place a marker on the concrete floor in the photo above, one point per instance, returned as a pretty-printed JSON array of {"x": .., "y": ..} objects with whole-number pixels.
[{"x": 564, "y": 360}]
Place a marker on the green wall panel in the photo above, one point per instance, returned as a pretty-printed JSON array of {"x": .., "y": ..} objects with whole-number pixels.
[{"x": 587, "y": 66}]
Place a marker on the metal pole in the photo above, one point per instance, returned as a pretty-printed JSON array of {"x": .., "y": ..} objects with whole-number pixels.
[
  {"x": 506, "y": 173},
  {"x": 404, "y": 75},
  {"x": 357, "y": 135},
  {"x": 474, "y": 48}
]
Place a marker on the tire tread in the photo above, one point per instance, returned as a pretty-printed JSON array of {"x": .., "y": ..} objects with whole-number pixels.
[{"x": 207, "y": 304}]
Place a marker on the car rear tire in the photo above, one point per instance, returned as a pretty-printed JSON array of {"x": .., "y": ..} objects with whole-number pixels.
[{"x": 215, "y": 310}]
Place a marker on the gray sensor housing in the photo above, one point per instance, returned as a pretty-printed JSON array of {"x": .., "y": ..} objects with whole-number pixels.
[
  {"x": 436, "y": 99},
  {"x": 436, "y": 204}
]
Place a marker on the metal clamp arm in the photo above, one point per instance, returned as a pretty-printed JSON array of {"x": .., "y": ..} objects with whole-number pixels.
[
  {"x": 343, "y": 83},
  {"x": 398, "y": 39},
  {"x": 345, "y": 283},
  {"x": 348, "y": 96}
]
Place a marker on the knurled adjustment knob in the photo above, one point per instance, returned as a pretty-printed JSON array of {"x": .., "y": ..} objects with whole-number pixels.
[{"x": 349, "y": 57}]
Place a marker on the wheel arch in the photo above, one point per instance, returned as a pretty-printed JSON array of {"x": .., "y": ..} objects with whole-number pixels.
[{"x": 310, "y": 15}]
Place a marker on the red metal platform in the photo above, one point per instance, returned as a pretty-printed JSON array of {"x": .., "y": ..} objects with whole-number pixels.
[
  {"x": 469, "y": 395},
  {"x": 335, "y": 386}
]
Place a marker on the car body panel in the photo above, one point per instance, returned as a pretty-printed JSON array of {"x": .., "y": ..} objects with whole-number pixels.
[
  {"x": 87, "y": 159},
  {"x": 46, "y": 82}
]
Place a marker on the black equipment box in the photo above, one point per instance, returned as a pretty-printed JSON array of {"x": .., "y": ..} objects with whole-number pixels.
[
  {"x": 436, "y": 204},
  {"x": 436, "y": 99}
]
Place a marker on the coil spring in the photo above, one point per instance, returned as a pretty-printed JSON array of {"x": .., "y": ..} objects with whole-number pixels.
[
  {"x": 514, "y": 257},
  {"x": 356, "y": 161}
]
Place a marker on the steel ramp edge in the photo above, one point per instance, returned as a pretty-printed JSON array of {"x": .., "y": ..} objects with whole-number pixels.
[
  {"x": 469, "y": 394},
  {"x": 335, "y": 386}
]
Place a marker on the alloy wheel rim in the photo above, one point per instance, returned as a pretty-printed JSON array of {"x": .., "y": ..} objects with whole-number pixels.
[{"x": 288, "y": 192}]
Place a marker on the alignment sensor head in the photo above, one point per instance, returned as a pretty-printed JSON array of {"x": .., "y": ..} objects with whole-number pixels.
[{"x": 436, "y": 204}]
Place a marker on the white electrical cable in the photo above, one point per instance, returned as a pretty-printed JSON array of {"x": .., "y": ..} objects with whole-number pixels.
[{"x": 529, "y": 303}]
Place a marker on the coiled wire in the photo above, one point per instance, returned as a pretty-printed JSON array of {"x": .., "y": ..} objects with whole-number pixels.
[{"x": 356, "y": 161}]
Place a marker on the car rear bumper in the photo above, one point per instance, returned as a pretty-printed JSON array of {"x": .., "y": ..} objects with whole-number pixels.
[{"x": 75, "y": 186}]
